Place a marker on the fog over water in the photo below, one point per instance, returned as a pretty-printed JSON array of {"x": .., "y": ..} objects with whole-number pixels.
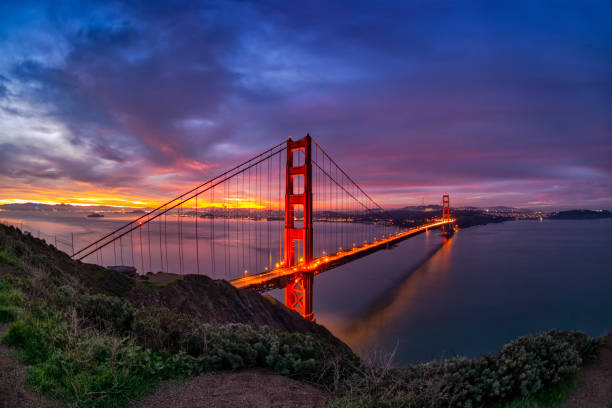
[{"x": 427, "y": 298}]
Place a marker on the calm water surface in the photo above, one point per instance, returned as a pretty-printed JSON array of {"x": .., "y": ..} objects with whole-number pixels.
[{"x": 426, "y": 298}]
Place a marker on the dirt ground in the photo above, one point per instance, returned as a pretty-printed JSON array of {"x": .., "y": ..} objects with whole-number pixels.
[
  {"x": 236, "y": 390},
  {"x": 595, "y": 388}
]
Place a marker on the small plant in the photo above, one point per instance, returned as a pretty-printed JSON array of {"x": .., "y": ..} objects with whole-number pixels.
[
  {"x": 11, "y": 259},
  {"x": 34, "y": 338},
  {"x": 11, "y": 300},
  {"x": 106, "y": 312}
]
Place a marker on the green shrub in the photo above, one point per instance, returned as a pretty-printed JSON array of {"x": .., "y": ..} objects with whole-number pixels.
[
  {"x": 165, "y": 329},
  {"x": 529, "y": 364},
  {"x": 523, "y": 368},
  {"x": 106, "y": 312},
  {"x": 36, "y": 339},
  {"x": 11, "y": 300},
  {"x": 11, "y": 259},
  {"x": 587, "y": 348},
  {"x": 8, "y": 313},
  {"x": 237, "y": 346}
]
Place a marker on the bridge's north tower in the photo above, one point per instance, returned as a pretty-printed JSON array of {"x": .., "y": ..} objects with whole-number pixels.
[
  {"x": 445, "y": 207},
  {"x": 446, "y": 228},
  {"x": 298, "y": 292}
]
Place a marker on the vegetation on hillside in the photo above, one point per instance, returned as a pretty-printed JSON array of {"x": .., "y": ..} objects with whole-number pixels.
[{"x": 92, "y": 348}]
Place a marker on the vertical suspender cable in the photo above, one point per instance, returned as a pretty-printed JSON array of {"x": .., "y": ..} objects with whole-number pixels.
[
  {"x": 196, "y": 235},
  {"x": 132, "y": 247},
  {"x": 161, "y": 256},
  {"x": 258, "y": 198},
  {"x": 141, "y": 256},
  {"x": 121, "y": 248},
  {"x": 166, "y": 241},
  {"x": 149, "y": 244},
  {"x": 268, "y": 215},
  {"x": 242, "y": 221},
  {"x": 250, "y": 224},
  {"x": 226, "y": 230},
  {"x": 212, "y": 231},
  {"x": 178, "y": 229},
  {"x": 280, "y": 212}
]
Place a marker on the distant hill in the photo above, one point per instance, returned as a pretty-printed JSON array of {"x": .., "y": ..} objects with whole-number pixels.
[
  {"x": 580, "y": 215},
  {"x": 68, "y": 208}
]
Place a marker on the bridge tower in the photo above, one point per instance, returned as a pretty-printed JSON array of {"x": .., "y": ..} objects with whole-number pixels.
[
  {"x": 298, "y": 292},
  {"x": 447, "y": 231},
  {"x": 445, "y": 207}
]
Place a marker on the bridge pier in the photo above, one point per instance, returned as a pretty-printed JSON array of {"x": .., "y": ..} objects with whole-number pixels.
[{"x": 298, "y": 294}]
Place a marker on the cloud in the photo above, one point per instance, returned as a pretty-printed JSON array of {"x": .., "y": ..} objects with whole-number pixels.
[{"x": 407, "y": 97}]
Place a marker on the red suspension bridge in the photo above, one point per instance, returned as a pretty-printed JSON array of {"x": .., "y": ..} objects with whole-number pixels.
[{"x": 273, "y": 221}]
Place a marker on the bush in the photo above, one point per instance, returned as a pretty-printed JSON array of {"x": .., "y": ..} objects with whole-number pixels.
[
  {"x": 11, "y": 259},
  {"x": 106, "y": 312},
  {"x": 164, "y": 329},
  {"x": 237, "y": 346},
  {"x": 35, "y": 338},
  {"x": 529, "y": 364},
  {"x": 522, "y": 368},
  {"x": 11, "y": 300},
  {"x": 587, "y": 348}
]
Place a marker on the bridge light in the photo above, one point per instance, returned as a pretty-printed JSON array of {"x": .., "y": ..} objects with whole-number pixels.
[{"x": 245, "y": 272}]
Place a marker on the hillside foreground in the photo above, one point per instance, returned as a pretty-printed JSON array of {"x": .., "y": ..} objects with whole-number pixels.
[{"x": 85, "y": 336}]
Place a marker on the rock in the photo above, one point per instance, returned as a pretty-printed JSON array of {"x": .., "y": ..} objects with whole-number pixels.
[{"x": 128, "y": 270}]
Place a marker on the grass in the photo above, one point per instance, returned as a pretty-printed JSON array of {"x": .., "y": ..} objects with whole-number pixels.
[
  {"x": 86, "y": 368},
  {"x": 11, "y": 300},
  {"x": 159, "y": 285},
  {"x": 99, "y": 352},
  {"x": 549, "y": 398},
  {"x": 11, "y": 259}
]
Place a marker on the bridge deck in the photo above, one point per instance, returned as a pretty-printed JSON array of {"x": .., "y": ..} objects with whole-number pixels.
[{"x": 277, "y": 278}]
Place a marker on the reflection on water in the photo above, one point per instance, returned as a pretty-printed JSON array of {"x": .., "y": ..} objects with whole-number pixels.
[{"x": 363, "y": 331}]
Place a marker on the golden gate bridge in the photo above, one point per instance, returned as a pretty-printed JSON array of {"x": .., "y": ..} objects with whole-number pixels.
[{"x": 274, "y": 221}]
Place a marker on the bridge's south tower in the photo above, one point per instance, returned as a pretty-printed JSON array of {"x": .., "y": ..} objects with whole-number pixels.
[{"x": 298, "y": 292}]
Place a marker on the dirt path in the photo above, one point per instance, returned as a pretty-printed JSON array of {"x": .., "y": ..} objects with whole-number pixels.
[
  {"x": 595, "y": 389},
  {"x": 236, "y": 390},
  {"x": 13, "y": 391}
]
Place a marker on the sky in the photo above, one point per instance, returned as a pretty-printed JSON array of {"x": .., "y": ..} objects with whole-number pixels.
[{"x": 130, "y": 103}]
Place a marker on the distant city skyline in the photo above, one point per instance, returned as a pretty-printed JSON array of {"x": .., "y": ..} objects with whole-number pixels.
[{"x": 495, "y": 103}]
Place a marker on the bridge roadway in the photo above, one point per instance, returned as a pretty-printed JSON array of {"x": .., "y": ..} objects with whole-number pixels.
[{"x": 278, "y": 277}]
